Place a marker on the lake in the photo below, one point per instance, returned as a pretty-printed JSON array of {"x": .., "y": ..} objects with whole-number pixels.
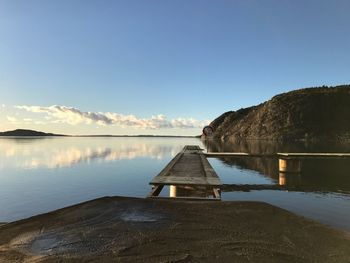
[{"x": 43, "y": 174}]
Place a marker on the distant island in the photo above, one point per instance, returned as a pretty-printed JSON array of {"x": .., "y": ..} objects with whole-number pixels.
[
  {"x": 320, "y": 113},
  {"x": 29, "y": 133}
]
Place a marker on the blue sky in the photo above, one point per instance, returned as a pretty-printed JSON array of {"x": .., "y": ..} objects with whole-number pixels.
[{"x": 184, "y": 62}]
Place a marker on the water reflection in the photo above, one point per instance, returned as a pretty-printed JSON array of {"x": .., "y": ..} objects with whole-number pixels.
[
  {"x": 331, "y": 175},
  {"x": 88, "y": 168},
  {"x": 66, "y": 152},
  {"x": 190, "y": 191},
  {"x": 290, "y": 179},
  {"x": 261, "y": 146},
  {"x": 41, "y": 175}
]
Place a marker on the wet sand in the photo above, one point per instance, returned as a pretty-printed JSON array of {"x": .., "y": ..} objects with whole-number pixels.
[{"x": 121, "y": 229}]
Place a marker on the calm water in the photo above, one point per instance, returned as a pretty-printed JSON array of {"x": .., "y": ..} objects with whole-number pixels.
[{"x": 39, "y": 175}]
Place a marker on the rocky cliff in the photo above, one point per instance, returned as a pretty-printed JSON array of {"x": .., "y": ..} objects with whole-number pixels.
[{"x": 321, "y": 113}]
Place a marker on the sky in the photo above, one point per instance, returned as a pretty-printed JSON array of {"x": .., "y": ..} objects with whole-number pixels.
[{"x": 161, "y": 66}]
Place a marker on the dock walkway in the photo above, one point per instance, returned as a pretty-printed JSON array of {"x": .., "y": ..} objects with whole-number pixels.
[{"x": 189, "y": 168}]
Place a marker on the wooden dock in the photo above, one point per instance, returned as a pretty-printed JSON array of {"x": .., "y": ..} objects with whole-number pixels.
[
  {"x": 189, "y": 169},
  {"x": 189, "y": 175}
]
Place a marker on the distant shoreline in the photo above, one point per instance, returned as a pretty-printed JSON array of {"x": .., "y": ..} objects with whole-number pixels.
[
  {"x": 31, "y": 133},
  {"x": 147, "y": 136},
  {"x": 99, "y": 136}
]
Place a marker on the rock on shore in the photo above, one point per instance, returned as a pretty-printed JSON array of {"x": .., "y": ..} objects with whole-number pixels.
[{"x": 120, "y": 229}]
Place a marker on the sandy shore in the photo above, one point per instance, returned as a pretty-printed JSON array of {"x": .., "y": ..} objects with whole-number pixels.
[{"x": 122, "y": 229}]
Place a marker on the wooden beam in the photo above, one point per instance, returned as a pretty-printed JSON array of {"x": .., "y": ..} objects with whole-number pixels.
[
  {"x": 155, "y": 190},
  {"x": 216, "y": 193}
]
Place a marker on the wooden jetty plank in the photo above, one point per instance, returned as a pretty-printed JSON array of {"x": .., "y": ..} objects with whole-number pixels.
[
  {"x": 170, "y": 165},
  {"x": 189, "y": 167}
]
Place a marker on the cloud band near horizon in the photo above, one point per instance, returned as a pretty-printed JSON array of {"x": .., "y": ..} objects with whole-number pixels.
[{"x": 74, "y": 116}]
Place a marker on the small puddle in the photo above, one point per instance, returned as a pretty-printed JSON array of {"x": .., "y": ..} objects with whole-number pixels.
[
  {"x": 44, "y": 245},
  {"x": 140, "y": 216}
]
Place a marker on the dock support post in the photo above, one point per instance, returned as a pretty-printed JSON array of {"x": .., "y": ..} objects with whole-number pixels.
[
  {"x": 289, "y": 165},
  {"x": 173, "y": 191},
  {"x": 282, "y": 180},
  {"x": 289, "y": 179}
]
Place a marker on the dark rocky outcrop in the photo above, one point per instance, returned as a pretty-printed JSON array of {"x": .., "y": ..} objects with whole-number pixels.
[
  {"x": 22, "y": 132},
  {"x": 308, "y": 114},
  {"x": 122, "y": 229}
]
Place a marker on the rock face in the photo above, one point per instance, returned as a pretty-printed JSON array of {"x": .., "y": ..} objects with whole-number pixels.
[
  {"x": 22, "y": 132},
  {"x": 308, "y": 114},
  {"x": 122, "y": 229}
]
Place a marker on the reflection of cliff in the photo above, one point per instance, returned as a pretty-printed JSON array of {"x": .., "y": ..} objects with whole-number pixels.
[
  {"x": 265, "y": 146},
  {"x": 265, "y": 166},
  {"x": 327, "y": 174},
  {"x": 322, "y": 174}
]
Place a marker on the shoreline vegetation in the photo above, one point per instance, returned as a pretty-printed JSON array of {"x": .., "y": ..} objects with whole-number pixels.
[{"x": 156, "y": 230}]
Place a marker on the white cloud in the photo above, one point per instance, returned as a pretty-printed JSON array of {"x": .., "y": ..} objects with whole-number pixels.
[
  {"x": 11, "y": 119},
  {"x": 39, "y": 122},
  {"x": 3, "y": 105},
  {"x": 73, "y": 116}
]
